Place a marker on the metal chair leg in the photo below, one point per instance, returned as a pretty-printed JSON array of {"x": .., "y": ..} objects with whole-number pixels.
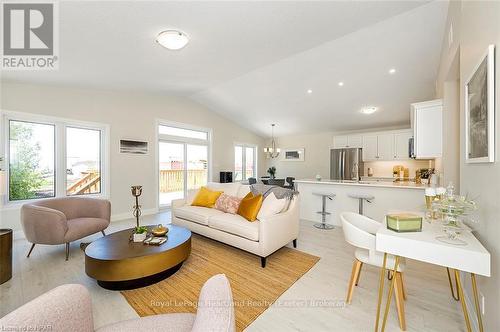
[
  {"x": 323, "y": 224},
  {"x": 380, "y": 291},
  {"x": 476, "y": 302},
  {"x": 67, "y": 250},
  {"x": 455, "y": 297},
  {"x": 389, "y": 296},
  {"x": 462, "y": 300},
  {"x": 31, "y": 249}
]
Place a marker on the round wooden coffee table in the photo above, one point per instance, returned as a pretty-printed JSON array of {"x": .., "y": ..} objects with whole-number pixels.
[{"x": 117, "y": 263}]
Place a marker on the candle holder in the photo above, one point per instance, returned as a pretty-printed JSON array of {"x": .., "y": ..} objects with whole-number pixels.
[
  {"x": 136, "y": 192},
  {"x": 454, "y": 209}
]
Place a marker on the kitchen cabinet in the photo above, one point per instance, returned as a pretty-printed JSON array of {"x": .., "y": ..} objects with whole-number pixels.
[
  {"x": 427, "y": 125},
  {"x": 401, "y": 145},
  {"x": 355, "y": 141},
  {"x": 385, "y": 146},
  {"x": 339, "y": 142},
  {"x": 370, "y": 147},
  {"x": 347, "y": 141}
]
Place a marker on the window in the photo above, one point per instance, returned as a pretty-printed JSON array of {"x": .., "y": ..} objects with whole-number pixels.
[
  {"x": 50, "y": 157},
  {"x": 31, "y": 160},
  {"x": 183, "y": 155},
  {"x": 245, "y": 162},
  {"x": 83, "y": 161},
  {"x": 182, "y": 132}
]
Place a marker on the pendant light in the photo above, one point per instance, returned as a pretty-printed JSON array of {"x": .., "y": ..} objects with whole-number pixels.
[{"x": 272, "y": 151}]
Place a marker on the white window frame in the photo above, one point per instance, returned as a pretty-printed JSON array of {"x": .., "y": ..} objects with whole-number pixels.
[
  {"x": 60, "y": 125},
  {"x": 185, "y": 141},
  {"x": 244, "y": 161}
]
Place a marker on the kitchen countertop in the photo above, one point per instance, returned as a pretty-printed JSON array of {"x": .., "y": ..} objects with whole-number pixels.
[{"x": 366, "y": 183}]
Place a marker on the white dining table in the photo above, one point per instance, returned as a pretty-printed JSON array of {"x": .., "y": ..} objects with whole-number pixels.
[{"x": 423, "y": 246}]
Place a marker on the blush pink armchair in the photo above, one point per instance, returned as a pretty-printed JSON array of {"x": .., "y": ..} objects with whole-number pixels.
[
  {"x": 69, "y": 308},
  {"x": 63, "y": 220}
]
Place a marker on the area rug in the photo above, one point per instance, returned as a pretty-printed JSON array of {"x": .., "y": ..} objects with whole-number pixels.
[{"x": 254, "y": 288}]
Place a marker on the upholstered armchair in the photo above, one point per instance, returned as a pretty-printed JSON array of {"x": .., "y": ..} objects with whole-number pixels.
[
  {"x": 69, "y": 308},
  {"x": 63, "y": 220}
]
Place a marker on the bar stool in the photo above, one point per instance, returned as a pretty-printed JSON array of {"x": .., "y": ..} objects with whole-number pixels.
[
  {"x": 362, "y": 198},
  {"x": 323, "y": 212}
]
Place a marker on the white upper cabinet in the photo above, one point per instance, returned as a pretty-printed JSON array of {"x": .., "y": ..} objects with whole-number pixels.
[
  {"x": 427, "y": 125},
  {"x": 339, "y": 142},
  {"x": 385, "y": 146},
  {"x": 401, "y": 145},
  {"x": 355, "y": 141},
  {"x": 370, "y": 147},
  {"x": 391, "y": 145},
  {"x": 347, "y": 141}
]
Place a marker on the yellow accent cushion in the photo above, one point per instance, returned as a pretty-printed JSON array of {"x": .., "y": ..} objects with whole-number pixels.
[
  {"x": 206, "y": 197},
  {"x": 250, "y": 206}
]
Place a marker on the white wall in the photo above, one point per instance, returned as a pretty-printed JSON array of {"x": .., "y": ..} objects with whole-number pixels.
[
  {"x": 476, "y": 24},
  {"x": 130, "y": 115},
  {"x": 450, "y": 166},
  {"x": 316, "y": 160}
]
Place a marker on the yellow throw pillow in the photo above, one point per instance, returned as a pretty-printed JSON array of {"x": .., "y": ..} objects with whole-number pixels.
[
  {"x": 206, "y": 197},
  {"x": 250, "y": 206}
]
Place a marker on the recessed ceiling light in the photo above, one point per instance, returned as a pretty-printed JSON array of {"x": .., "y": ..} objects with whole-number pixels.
[
  {"x": 172, "y": 39},
  {"x": 392, "y": 70},
  {"x": 341, "y": 83},
  {"x": 368, "y": 110},
  {"x": 309, "y": 91}
]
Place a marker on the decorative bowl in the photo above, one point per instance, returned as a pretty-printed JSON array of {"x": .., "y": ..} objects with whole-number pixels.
[{"x": 159, "y": 230}]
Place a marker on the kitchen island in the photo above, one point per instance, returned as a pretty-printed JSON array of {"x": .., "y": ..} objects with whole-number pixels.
[{"x": 389, "y": 196}]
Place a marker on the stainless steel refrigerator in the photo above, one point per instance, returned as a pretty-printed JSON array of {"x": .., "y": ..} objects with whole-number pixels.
[{"x": 346, "y": 164}]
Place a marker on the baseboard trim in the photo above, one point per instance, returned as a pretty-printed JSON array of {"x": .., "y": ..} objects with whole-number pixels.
[{"x": 128, "y": 215}]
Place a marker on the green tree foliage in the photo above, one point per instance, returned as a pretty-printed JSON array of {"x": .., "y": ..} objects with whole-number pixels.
[{"x": 25, "y": 177}]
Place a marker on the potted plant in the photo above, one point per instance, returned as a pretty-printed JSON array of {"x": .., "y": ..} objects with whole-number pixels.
[
  {"x": 272, "y": 172},
  {"x": 140, "y": 233}
]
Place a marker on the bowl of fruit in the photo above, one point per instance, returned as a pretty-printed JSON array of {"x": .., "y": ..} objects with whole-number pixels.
[{"x": 159, "y": 230}]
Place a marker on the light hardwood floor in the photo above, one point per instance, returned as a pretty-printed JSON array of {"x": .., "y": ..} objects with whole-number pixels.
[{"x": 313, "y": 303}]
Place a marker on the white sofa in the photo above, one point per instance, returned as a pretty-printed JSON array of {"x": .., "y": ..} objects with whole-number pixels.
[{"x": 261, "y": 237}]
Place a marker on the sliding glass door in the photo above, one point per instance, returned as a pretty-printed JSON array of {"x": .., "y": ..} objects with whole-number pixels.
[
  {"x": 171, "y": 157},
  {"x": 196, "y": 166},
  {"x": 183, "y": 162}
]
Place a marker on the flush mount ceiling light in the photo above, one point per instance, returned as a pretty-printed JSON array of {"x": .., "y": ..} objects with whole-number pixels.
[
  {"x": 172, "y": 39},
  {"x": 309, "y": 91},
  {"x": 341, "y": 83},
  {"x": 392, "y": 70},
  {"x": 368, "y": 110}
]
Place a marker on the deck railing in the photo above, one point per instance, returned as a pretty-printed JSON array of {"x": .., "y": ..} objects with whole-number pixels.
[
  {"x": 89, "y": 183},
  {"x": 172, "y": 180}
]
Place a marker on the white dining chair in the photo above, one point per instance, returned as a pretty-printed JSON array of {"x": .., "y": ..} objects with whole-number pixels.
[{"x": 360, "y": 231}]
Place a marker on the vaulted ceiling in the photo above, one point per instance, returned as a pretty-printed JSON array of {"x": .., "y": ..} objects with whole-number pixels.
[{"x": 253, "y": 62}]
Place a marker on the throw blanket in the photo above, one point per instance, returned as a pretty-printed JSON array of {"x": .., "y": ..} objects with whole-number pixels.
[{"x": 265, "y": 190}]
